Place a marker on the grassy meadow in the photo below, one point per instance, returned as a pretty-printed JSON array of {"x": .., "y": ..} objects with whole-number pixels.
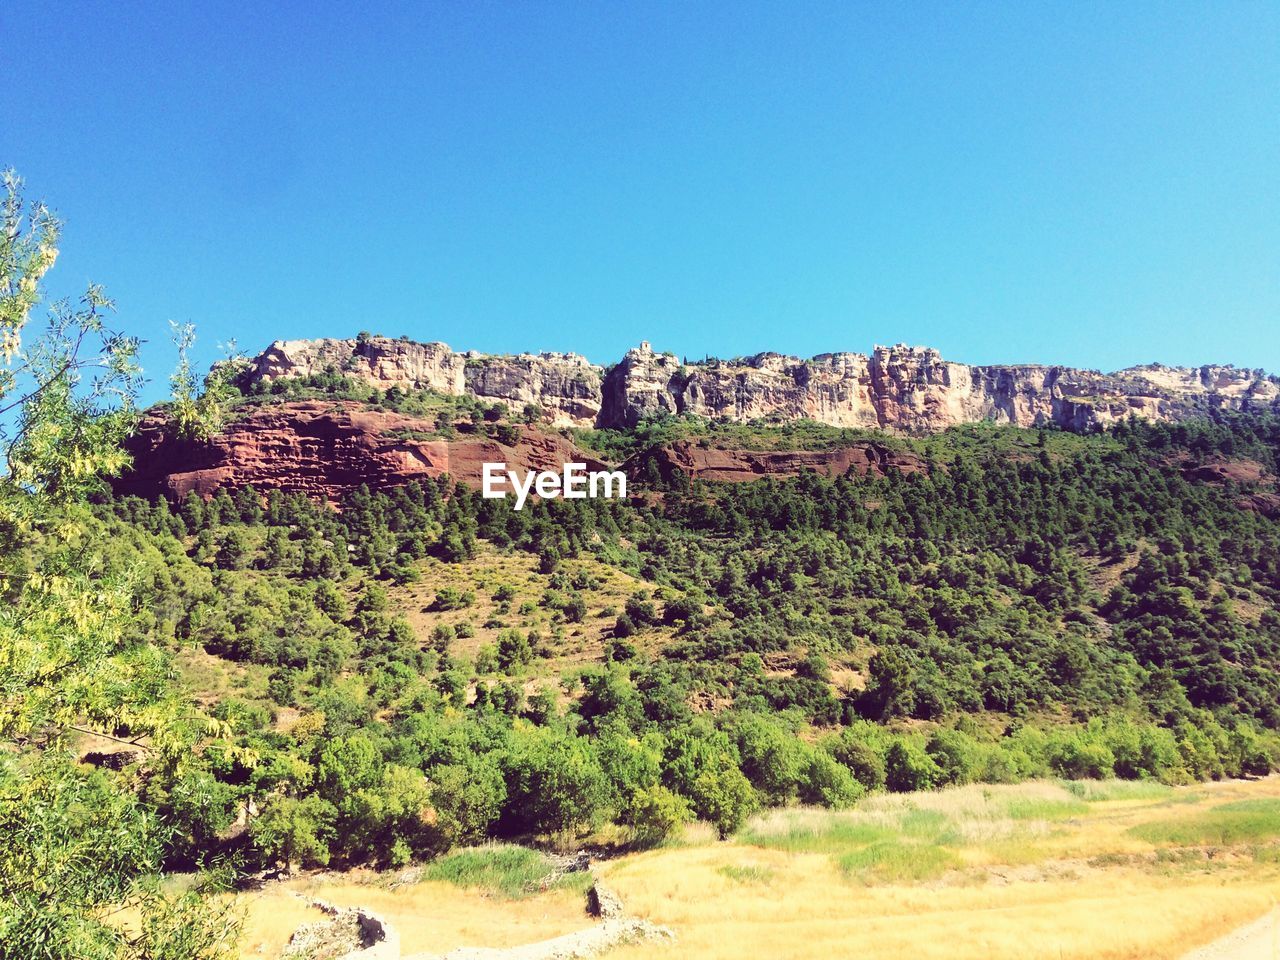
[{"x": 1108, "y": 870}]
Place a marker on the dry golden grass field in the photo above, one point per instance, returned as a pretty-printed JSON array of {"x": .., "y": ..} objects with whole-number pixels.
[
  {"x": 431, "y": 915},
  {"x": 1103, "y": 871}
]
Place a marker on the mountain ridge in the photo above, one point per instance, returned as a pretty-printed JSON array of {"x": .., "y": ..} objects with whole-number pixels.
[{"x": 898, "y": 389}]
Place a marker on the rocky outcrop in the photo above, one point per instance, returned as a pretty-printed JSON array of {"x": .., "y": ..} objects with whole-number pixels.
[
  {"x": 324, "y": 450},
  {"x": 603, "y": 902},
  {"x": 900, "y": 388},
  {"x": 1255, "y": 486},
  {"x": 913, "y": 390},
  {"x": 733, "y": 466},
  {"x": 565, "y": 385},
  {"x": 348, "y": 933},
  {"x": 379, "y": 361}
]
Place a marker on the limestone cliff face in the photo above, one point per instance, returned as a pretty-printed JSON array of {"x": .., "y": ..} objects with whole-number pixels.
[
  {"x": 565, "y": 385},
  {"x": 913, "y": 390},
  {"x": 900, "y": 388},
  {"x": 379, "y": 361}
]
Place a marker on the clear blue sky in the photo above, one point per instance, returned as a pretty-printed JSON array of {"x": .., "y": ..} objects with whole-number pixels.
[{"x": 1095, "y": 184}]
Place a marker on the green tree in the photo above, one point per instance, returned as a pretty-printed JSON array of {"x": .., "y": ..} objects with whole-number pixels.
[
  {"x": 554, "y": 783},
  {"x": 198, "y": 410},
  {"x": 724, "y": 798},
  {"x": 468, "y": 797},
  {"x": 826, "y": 782},
  {"x": 908, "y": 767},
  {"x": 75, "y": 843},
  {"x": 514, "y": 650},
  {"x": 294, "y": 832},
  {"x": 655, "y": 813}
]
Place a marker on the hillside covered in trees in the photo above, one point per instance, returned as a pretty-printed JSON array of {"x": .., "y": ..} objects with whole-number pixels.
[{"x": 1033, "y": 603}]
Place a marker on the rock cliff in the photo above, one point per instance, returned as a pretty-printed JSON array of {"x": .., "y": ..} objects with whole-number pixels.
[
  {"x": 565, "y": 385},
  {"x": 324, "y": 449},
  {"x": 900, "y": 388}
]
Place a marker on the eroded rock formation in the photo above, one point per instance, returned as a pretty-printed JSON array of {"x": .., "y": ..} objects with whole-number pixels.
[
  {"x": 325, "y": 449},
  {"x": 900, "y": 388},
  {"x": 565, "y": 385}
]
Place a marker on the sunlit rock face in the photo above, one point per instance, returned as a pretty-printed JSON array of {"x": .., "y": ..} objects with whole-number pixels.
[
  {"x": 565, "y": 385},
  {"x": 900, "y": 388},
  {"x": 325, "y": 449},
  {"x": 379, "y": 361}
]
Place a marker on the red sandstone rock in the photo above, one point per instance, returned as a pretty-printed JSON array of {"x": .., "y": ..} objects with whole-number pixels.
[
  {"x": 327, "y": 448},
  {"x": 1226, "y": 471},
  {"x": 1260, "y": 494},
  {"x": 711, "y": 463},
  {"x": 324, "y": 449},
  {"x": 1267, "y": 504}
]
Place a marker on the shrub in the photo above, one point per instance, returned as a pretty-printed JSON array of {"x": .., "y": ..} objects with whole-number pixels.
[
  {"x": 908, "y": 767},
  {"x": 514, "y": 650},
  {"x": 654, "y": 813},
  {"x": 855, "y": 749},
  {"x": 574, "y": 608},
  {"x": 825, "y": 781},
  {"x": 957, "y": 755},
  {"x": 541, "y": 706},
  {"x": 641, "y": 611},
  {"x": 451, "y": 598},
  {"x": 487, "y": 659},
  {"x": 685, "y": 610},
  {"x": 1080, "y": 755}
]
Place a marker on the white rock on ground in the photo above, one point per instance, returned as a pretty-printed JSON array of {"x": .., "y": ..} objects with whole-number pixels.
[{"x": 580, "y": 945}]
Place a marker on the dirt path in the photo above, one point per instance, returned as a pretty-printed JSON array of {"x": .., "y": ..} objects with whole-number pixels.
[{"x": 1259, "y": 940}]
